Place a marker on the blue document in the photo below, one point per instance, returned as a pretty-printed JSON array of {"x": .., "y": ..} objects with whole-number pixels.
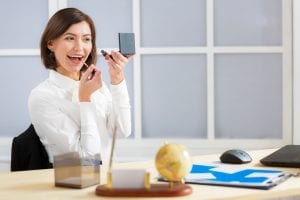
[{"x": 235, "y": 176}]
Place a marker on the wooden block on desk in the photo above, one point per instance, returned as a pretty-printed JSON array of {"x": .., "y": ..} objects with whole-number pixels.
[{"x": 156, "y": 190}]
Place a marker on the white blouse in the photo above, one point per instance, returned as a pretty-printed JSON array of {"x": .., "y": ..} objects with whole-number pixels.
[{"x": 64, "y": 124}]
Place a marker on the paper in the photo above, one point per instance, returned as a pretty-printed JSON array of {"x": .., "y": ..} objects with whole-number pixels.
[
  {"x": 200, "y": 176},
  {"x": 128, "y": 178}
]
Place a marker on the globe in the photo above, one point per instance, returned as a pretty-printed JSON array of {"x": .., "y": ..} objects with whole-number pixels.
[{"x": 173, "y": 162}]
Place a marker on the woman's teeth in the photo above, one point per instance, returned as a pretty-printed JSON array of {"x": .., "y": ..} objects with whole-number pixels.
[{"x": 75, "y": 57}]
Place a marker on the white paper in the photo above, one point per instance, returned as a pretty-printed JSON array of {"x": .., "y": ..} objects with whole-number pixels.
[
  {"x": 265, "y": 175},
  {"x": 128, "y": 178},
  {"x": 198, "y": 176},
  {"x": 227, "y": 169}
]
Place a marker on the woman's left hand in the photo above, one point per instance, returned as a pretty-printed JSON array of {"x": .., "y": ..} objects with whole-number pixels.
[{"x": 116, "y": 63}]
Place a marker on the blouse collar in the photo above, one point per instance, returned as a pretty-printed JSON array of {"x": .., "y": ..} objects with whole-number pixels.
[{"x": 62, "y": 81}]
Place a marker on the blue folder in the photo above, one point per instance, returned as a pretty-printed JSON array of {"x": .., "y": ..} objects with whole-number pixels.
[{"x": 236, "y": 176}]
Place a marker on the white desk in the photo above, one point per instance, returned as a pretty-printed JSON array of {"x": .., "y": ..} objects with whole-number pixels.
[{"x": 39, "y": 184}]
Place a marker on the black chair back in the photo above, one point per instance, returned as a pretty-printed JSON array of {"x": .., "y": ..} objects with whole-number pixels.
[{"x": 28, "y": 153}]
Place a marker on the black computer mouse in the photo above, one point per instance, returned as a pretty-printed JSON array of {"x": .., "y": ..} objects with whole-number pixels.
[{"x": 235, "y": 156}]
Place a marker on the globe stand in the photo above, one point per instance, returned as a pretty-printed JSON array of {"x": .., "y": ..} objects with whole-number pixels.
[
  {"x": 136, "y": 183},
  {"x": 170, "y": 189}
]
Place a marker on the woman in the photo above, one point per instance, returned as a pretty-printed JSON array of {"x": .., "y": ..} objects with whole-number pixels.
[{"x": 73, "y": 110}]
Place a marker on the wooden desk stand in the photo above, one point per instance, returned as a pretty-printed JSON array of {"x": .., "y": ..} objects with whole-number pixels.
[
  {"x": 170, "y": 189},
  {"x": 148, "y": 190},
  {"x": 156, "y": 190}
]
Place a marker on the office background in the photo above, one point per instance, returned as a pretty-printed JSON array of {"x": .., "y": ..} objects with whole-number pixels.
[{"x": 210, "y": 74}]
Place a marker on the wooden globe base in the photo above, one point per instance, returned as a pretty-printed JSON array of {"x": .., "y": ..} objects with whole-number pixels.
[{"x": 156, "y": 190}]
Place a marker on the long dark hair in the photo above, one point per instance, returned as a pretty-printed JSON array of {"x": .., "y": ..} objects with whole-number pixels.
[{"x": 58, "y": 24}]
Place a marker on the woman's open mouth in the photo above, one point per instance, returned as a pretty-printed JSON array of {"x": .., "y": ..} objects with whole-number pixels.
[{"x": 76, "y": 59}]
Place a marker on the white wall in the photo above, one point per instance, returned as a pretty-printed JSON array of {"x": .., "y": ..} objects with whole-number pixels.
[{"x": 5, "y": 150}]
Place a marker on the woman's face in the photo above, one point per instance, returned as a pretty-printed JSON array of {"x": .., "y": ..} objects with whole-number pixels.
[{"x": 72, "y": 49}]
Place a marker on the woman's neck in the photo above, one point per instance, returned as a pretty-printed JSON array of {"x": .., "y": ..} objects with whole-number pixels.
[{"x": 73, "y": 75}]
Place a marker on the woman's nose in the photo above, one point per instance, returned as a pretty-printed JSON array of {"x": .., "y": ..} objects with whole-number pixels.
[{"x": 78, "y": 45}]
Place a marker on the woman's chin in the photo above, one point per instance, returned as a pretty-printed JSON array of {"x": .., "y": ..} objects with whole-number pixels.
[{"x": 75, "y": 68}]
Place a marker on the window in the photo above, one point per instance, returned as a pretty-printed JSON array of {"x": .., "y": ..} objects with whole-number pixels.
[{"x": 211, "y": 75}]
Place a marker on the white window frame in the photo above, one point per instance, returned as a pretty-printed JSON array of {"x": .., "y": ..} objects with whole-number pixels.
[{"x": 141, "y": 148}]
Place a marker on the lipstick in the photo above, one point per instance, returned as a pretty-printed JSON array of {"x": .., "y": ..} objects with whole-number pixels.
[{"x": 104, "y": 53}]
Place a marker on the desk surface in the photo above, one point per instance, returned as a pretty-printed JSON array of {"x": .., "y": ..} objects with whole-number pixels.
[{"x": 39, "y": 184}]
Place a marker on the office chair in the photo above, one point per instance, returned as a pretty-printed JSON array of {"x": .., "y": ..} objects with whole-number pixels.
[{"x": 28, "y": 153}]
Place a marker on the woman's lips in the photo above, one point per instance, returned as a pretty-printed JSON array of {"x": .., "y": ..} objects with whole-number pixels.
[{"x": 75, "y": 59}]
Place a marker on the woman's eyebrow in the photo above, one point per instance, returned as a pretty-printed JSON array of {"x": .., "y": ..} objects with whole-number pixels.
[
  {"x": 87, "y": 34},
  {"x": 72, "y": 34}
]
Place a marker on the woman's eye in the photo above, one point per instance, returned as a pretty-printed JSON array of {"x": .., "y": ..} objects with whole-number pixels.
[
  {"x": 69, "y": 38},
  {"x": 87, "y": 39}
]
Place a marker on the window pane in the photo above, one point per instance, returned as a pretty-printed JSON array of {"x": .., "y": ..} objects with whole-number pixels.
[
  {"x": 19, "y": 75},
  {"x": 22, "y": 23},
  {"x": 173, "y": 23},
  {"x": 248, "y": 96},
  {"x": 102, "y": 64},
  {"x": 174, "y": 96},
  {"x": 248, "y": 22},
  {"x": 110, "y": 18}
]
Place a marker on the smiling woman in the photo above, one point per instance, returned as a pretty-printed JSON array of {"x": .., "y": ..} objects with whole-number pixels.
[
  {"x": 72, "y": 49},
  {"x": 73, "y": 110}
]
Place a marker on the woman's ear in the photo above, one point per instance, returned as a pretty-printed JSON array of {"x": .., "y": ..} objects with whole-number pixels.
[{"x": 50, "y": 45}]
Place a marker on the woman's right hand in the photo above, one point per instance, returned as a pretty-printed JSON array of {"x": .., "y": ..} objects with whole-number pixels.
[{"x": 90, "y": 81}]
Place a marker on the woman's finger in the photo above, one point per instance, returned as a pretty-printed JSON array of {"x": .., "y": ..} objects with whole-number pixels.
[
  {"x": 119, "y": 58},
  {"x": 96, "y": 76},
  {"x": 116, "y": 67},
  {"x": 89, "y": 74}
]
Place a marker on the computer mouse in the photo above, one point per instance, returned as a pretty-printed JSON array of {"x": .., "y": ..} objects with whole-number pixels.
[{"x": 235, "y": 156}]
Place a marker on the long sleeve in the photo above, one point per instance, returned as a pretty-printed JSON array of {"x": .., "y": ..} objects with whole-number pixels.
[
  {"x": 64, "y": 126},
  {"x": 90, "y": 139},
  {"x": 120, "y": 115}
]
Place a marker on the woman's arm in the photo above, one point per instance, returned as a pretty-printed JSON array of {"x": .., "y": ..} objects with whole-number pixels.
[
  {"x": 120, "y": 115},
  {"x": 120, "y": 112},
  {"x": 64, "y": 126}
]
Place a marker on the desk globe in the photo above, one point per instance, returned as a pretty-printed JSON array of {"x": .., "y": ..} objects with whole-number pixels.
[{"x": 173, "y": 162}]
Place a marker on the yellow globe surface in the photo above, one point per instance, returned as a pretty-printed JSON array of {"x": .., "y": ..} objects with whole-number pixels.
[{"x": 173, "y": 162}]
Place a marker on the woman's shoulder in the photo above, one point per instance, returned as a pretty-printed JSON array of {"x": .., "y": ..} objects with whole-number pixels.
[{"x": 44, "y": 88}]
